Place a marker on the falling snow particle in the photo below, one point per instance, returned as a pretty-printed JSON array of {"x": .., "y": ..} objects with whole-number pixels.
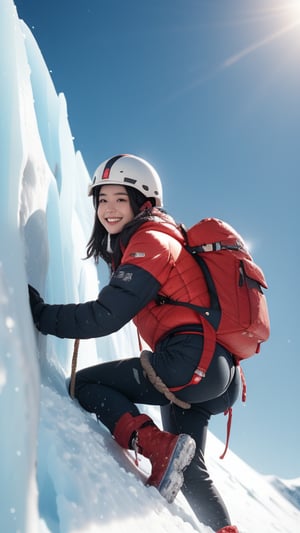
[
  {"x": 9, "y": 322},
  {"x": 2, "y": 378}
]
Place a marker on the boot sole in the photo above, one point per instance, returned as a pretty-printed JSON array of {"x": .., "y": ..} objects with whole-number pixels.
[{"x": 173, "y": 479}]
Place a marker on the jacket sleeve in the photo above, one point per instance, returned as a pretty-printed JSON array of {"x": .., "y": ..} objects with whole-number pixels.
[{"x": 130, "y": 289}]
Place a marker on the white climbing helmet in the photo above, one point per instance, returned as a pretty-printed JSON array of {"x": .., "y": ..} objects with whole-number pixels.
[{"x": 130, "y": 170}]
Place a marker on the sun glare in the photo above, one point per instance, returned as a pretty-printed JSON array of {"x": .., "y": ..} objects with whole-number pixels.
[
  {"x": 280, "y": 20},
  {"x": 289, "y": 12},
  {"x": 294, "y": 7},
  {"x": 290, "y": 9}
]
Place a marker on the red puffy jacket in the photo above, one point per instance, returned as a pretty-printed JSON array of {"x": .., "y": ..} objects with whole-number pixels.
[{"x": 157, "y": 248}]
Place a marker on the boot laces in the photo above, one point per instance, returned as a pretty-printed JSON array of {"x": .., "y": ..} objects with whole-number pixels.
[{"x": 135, "y": 448}]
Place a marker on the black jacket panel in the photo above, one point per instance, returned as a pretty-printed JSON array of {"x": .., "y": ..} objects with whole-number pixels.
[{"x": 129, "y": 290}]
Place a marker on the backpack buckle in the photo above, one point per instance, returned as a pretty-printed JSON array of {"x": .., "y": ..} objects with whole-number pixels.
[{"x": 197, "y": 376}]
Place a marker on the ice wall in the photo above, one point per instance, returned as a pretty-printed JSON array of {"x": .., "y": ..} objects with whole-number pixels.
[{"x": 42, "y": 180}]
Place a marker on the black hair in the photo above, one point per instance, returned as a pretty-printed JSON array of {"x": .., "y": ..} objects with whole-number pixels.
[{"x": 97, "y": 245}]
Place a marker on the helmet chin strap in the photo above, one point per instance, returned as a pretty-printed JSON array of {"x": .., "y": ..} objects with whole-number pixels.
[
  {"x": 108, "y": 246},
  {"x": 146, "y": 205}
]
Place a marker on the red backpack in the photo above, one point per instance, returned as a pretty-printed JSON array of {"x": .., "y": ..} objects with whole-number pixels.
[{"x": 237, "y": 316}]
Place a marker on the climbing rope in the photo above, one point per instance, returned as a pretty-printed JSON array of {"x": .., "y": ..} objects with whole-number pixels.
[
  {"x": 157, "y": 381},
  {"x": 73, "y": 367}
]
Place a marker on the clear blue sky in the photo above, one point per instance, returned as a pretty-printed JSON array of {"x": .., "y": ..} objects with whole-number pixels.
[{"x": 209, "y": 92}]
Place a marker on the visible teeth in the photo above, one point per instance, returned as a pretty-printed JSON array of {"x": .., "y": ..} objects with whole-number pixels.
[{"x": 113, "y": 219}]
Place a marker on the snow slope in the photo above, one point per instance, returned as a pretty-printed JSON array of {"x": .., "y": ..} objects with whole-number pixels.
[{"x": 61, "y": 472}]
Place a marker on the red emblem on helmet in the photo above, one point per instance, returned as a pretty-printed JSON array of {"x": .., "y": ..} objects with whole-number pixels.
[{"x": 106, "y": 173}]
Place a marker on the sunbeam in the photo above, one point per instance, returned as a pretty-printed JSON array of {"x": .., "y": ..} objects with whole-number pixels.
[{"x": 255, "y": 46}]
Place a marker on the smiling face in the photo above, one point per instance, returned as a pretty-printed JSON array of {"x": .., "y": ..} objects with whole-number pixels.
[{"x": 114, "y": 209}]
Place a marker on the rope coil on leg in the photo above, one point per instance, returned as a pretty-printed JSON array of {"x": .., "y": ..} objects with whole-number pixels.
[
  {"x": 154, "y": 379},
  {"x": 157, "y": 382}
]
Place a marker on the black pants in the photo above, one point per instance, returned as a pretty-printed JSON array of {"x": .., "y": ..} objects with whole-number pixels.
[{"x": 111, "y": 389}]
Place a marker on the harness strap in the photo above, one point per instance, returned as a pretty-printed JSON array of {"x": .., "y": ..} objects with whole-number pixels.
[
  {"x": 244, "y": 385},
  {"x": 229, "y": 411},
  {"x": 209, "y": 346},
  {"x": 229, "y": 420}
]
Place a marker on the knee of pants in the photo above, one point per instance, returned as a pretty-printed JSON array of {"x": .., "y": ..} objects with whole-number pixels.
[
  {"x": 80, "y": 383},
  {"x": 193, "y": 421}
]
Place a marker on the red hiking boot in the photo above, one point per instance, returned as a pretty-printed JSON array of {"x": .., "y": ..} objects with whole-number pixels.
[
  {"x": 169, "y": 454},
  {"x": 228, "y": 529}
]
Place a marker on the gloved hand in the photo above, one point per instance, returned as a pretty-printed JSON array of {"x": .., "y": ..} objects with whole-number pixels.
[{"x": 37, "y": 304}]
